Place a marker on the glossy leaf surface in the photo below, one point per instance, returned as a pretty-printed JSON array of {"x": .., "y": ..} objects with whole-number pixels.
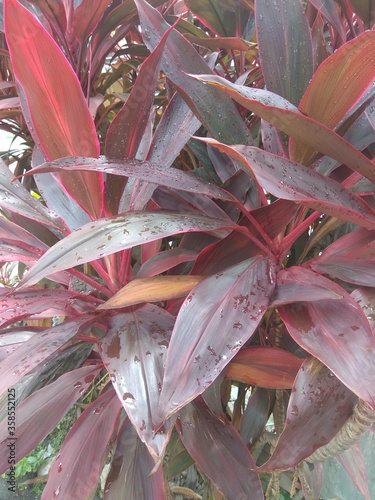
[
  {"x": 285, "y": 48},
  {"x": 49, "y": 404},
  {"x": 319, "y": 406},
  {"x": 215, "y": 320},
  {"x": 130, "y": 473},
  {"x": 343, "y": 329},
  {"x": 107, "y": 236},
  {"x": 219, "y": 451},
  {"x": 76, "y": 470},
  {"x": 134, "y": 352}
]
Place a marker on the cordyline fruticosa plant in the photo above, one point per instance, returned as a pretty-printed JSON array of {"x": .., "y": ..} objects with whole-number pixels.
[{"x": 197, "y": 215}]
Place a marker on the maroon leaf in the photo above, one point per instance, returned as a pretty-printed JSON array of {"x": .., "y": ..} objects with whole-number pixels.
[
  {"x": 44, "y": 302},
  {"x": 354, "y": 464},
  {"x": 319, "y": 406},
  {"x": 143, "y": 170},
  {"x": 180, "y": 57},
  {"x": 49, "y": 405},
  {"x": 133, "y": 352},
  {"x": 344, "y": 331},
  {"x": 285, "y": 48},
  {"x": 215, "y": 320},
  {"x": 218, "y": 450},
  {"x": 350, "y": 258},
  {"x": 291, "y": 181},
  {"x": 38, "y": 348},
  {"x": 107, "y": 236},
  {"x": 76, "y": 470},
  {"x": 163, "y": 261},
  {"x": 331, "y": 11},
  {"x": 130, "y": 473},
  {"x": 53, "y": 101},
  {"x": 284, "y": 116},
  {"x": 255, "y": 416},
  {"x": 298, "y": 284},
  {"x": 87, "y": 16},
  {"x": 54, "y": 12}
]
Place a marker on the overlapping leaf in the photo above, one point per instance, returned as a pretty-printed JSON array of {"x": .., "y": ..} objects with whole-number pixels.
[
  {"x": 291, "y": 181},
  {"x": 338, "y": 333},
  {"x": 106, "y": 236},
  {"x": 134, "y": 352},
  {"x": 289, "y": 120},
  {"x": 76, "y": 470},
  {"x": 130, "y": 473},
  {"x": 354, "y": 464},
  {"x": 219, "y": 451},
  {"x": 319, "y": 406},
  {"x": 215, "y": 320},
  {"x": 49, "y": 405}
]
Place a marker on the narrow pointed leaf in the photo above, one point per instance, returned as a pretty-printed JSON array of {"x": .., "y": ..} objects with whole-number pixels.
[
  {"x": 54, "y": 12},
  {"x": 163, "y": 261},
  {"x": 336, "y": 86},
  {"x": 17, "y": 304},
  {"x": 266, "y": 367},
  {"x": 291, "y": 181},
  {"x": 155, "y": 289},
  {"x": 354, "y": 464},
  {"x": 38, "y": 348},
  {"x": 134, "y": 352},
  {"x": 86, "y": 17},
  {"x": 215, "y": 320},
  {"x": 53, "y": 101},
  {"x": 49, "y": 405},
  {"x": 218, "y": 450},
  {"x": 130, "y": 473},
  {"x": 344, "y": 331},
  {"x": 319, "y": 406},
  {"x": 255, "y": 417},
  {"x": 179, "y": 58},
  {"x": 143, "y": 170},
  {"x": 291, "y": 121},
  {"x": 76, "y": 470},
  {"x": 332, "y": 12},
  {"x": 219, "y": 16},
  {"x": 285, "y": 47},
  {"x": 350, "y": 258},
  {"x": 107, "y": 236}
]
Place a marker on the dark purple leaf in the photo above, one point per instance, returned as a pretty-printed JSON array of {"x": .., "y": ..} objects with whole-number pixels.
[
  {"x": 164, "y": 261},
  {"x": 319, "y": 406},
  {"x": 284, "y": 116},
  {"x": 54, "y": 12},
  {"x": 86, "y": 17},
  {"x": 354, "y": 464},
  {"x": 255, "y": 416},
  {"x": 47, "y": 405},
  {"x": 291, "y": 181},
  {"x": 215, "y": 320},
  {"x": 343, "y": 329},
  {"x": 285, "y": 48},
  {"x": 44, "y": 302},
  {"x": 38, "y": 348},
  {"x": 218, "y": 450},
  {"x": 298, "y": 284},
  {"x": 134, "y": 352},
  {"x": 106, "y": 236},
  {"x": 179, "y": 58},
  {"x": 331, "y": 11},
  {"x": 143, "y": 170},
  {"x": 351, "y": 258},
  {"x": 76, "y": 469},
  {"x": 130, "y": 475}
]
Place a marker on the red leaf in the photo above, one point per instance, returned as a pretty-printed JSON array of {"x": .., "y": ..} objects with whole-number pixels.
[
  {"x": 291, "y": 181},
  {"x": 319, "y": 406},
  {"x": 87, "y": 16},
  {"x": 38, "y": 348},
  {"x": 264, "y": 366},
  {"x": 133, "y": 352},
  {"x": 219, "y": 451},
  {"x": 341, "y": 327},
  {"x": 285, "y": 49},
  {"x": 76, "y": 470},
  {"x": 165, "y": 260},
  {"x": 47, "y": 405},
  {"x": 54, "y": 102},
  {"x": 289, "y": 120},
  {"x": 106, "y": 236},
  {"x": 54, "y": 12},
  {"x": 215, "y": 320},
  {"x": 351, "y": 258},
  {"x": 130, "y": 475}
]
